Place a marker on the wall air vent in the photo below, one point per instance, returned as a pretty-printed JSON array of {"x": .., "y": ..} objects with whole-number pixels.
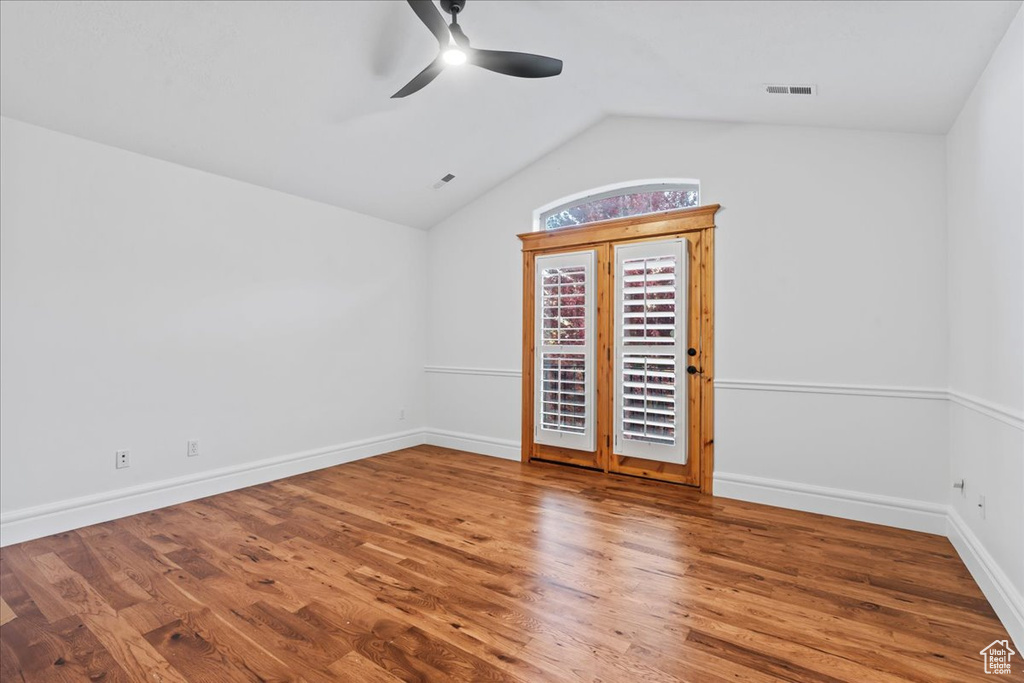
[
  {"x": 444, "y": 181},
  {"x": 791, "y": 89}
]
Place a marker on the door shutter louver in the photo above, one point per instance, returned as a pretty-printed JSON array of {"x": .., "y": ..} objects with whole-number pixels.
[
  {"x": 563, "y": 394},
  {"x": 650, "y": 338}
]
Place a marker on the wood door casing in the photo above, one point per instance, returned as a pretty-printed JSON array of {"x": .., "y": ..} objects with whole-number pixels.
[{"x": 697, "y": 226}]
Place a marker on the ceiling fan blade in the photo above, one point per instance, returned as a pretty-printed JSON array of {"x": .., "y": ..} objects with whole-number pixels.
[
  {"x": 428, "y": 13},
  {"x": 422, "y": 78},
  {"x": 518, "y": 64}
]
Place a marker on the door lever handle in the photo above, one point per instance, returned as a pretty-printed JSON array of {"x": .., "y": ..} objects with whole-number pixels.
[{"x": 692, "y": 369}]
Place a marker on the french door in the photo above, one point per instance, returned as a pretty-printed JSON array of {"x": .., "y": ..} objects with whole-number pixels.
[
  {"x": 564, "y": 362},
  {"x": 651, "y": 283},
  {"x": 618, "y": 346}
]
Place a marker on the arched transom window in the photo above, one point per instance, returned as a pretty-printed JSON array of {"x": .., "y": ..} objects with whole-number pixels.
[{"x": 635, "y": 198}]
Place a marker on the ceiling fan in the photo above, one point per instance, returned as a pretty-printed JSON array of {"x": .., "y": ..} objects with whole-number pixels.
[{"x": 455, "y": 49}]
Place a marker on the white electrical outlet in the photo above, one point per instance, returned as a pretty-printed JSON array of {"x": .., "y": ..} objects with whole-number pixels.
[
  {"x": 981, "y": 506},
  {"x": 121, "y": 459},
  {"x": 192, "y": 448}
]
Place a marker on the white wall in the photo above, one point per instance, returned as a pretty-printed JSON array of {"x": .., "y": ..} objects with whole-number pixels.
[
  {"x": 829, "y": 269},
  {"x": 985, "y": 162},
  {"x": 144, "y": 304}
]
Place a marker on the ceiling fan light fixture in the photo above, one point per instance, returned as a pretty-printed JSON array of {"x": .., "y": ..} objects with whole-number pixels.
[{"x": 454, "y": 56}]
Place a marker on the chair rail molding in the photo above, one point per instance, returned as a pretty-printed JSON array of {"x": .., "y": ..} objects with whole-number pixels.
[
  {"x": 1014, "y": 418},
  {"x": 485, "y": 372},
  {"x": 926, "y": 393},
  {"x": 1007, "y": 415}
]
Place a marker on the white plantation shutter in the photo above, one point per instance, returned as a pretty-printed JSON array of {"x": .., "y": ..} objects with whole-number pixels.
[
  {"x": 564, "y": 390},
  {"x": 650, "y": 341}
]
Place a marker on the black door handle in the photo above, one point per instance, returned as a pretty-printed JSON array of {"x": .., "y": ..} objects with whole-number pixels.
[
  {"x": 692, "y": 369},
  {"x": 691, "y": 351}
]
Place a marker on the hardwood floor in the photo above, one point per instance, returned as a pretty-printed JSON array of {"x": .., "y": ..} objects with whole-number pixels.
[{"x": 431, "y": 564}]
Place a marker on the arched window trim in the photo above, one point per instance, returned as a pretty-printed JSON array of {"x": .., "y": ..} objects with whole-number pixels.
[{"x": 605, "y": 191}]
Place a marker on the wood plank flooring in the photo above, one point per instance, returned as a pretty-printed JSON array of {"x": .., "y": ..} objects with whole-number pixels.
[{"x": 430, "y": 564}]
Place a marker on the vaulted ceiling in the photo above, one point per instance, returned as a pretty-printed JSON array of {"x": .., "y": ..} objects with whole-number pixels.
[{"x": 295, "y": 95}]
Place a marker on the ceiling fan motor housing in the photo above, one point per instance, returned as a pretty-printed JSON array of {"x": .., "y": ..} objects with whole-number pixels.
[{"x": 453, "y": 6}]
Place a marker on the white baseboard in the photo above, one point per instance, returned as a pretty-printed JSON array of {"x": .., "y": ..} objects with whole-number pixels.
[
  {"x": 42, "y": 520},
  {"x": 474, "y": 443},
  {"x": 1004, "y": 597},
  {"x": 902, "y": 513}
]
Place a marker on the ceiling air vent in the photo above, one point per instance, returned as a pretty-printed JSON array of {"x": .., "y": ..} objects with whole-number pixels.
[
  {"x": 444, "y": 181},
  {"x": 791, "y": 89}
]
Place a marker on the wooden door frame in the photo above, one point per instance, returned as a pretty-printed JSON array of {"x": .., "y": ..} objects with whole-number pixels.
[{"x": 699, "y": 222}]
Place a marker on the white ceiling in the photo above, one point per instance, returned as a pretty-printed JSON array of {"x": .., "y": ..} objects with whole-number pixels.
[{"x": 295, "y": 95}]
